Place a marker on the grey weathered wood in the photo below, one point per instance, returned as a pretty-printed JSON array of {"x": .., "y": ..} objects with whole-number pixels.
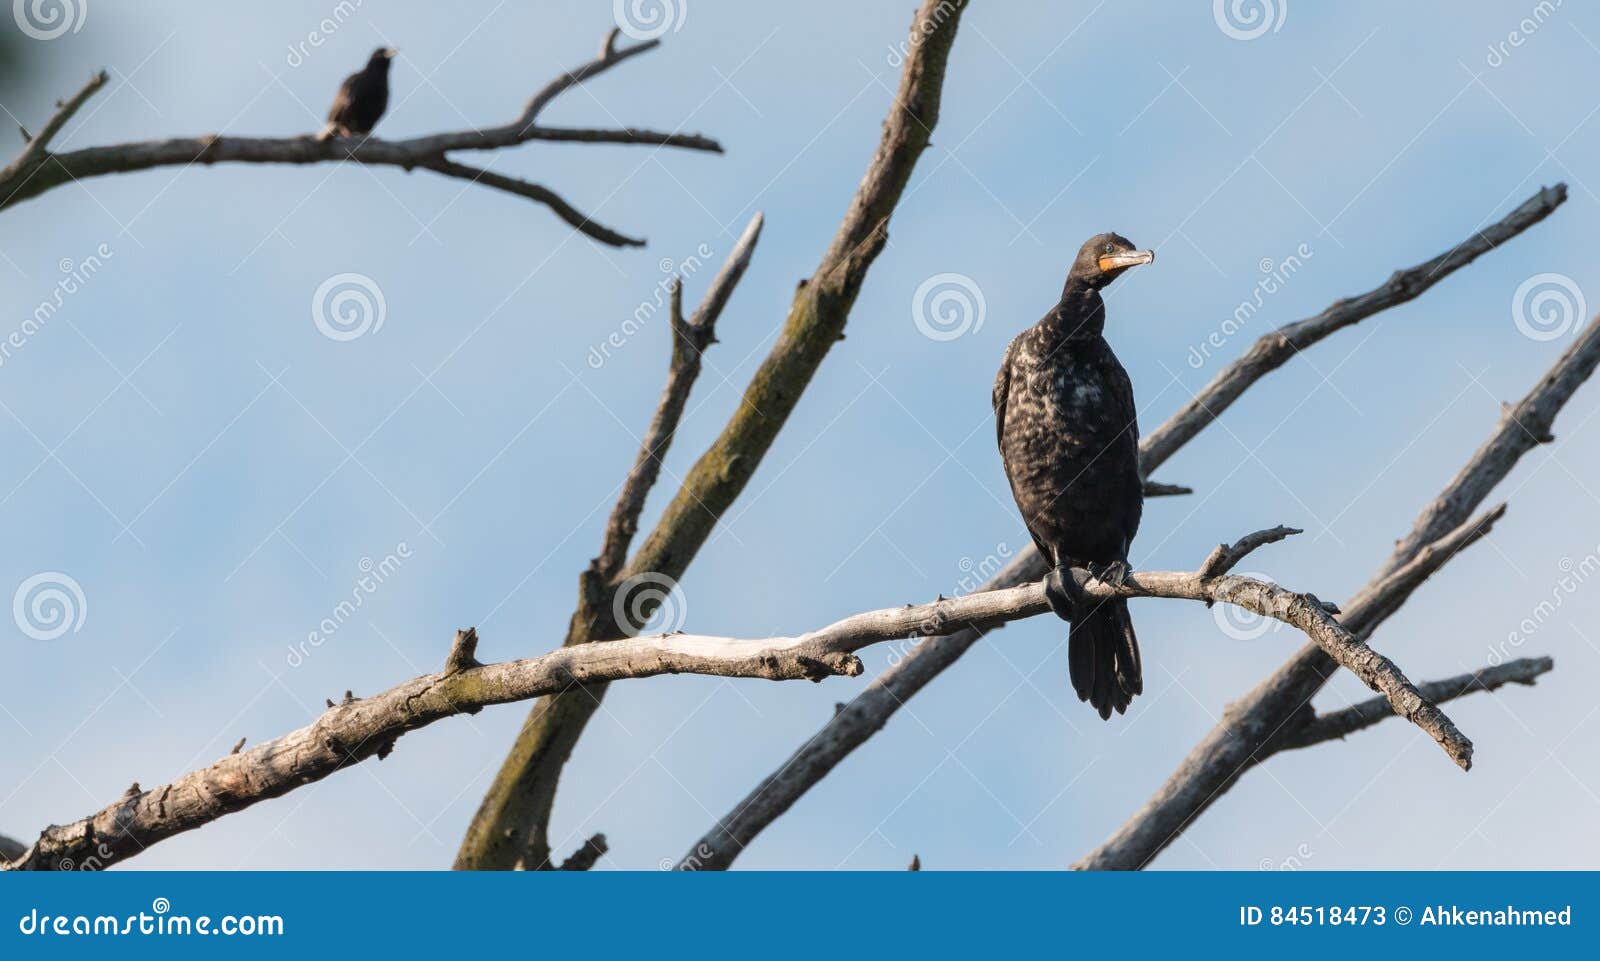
[
  {"x": 358, "y": 728},
  {"x": 856, "y": 722},
  {"x": 1250, "y": 723}
]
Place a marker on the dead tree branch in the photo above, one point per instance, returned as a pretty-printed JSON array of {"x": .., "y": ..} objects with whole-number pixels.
[
  {"x": 865, "y": 715},
  {"x": 1336, "y": 725},
  {"x": 512, "y": 822},
  {"x": 1252, "y": 722},
  {"x": 690, "y": 338},
  {"x": 37, "y": 169},
  {"x": 358, "y": 728}
]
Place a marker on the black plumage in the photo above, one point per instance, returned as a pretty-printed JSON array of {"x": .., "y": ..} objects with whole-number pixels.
[
  {"x": 362, "y": 98},
  {"x": 1069, "y": 439}
]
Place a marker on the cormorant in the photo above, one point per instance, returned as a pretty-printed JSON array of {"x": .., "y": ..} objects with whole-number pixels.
[
  {"x": 362, "y": 98},
  {"x": 1069, "y": 438}
]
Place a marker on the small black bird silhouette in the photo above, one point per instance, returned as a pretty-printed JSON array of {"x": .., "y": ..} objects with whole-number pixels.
[
  {"x": 362, "y": 98},
  {"x": 1069, "y": 439}
]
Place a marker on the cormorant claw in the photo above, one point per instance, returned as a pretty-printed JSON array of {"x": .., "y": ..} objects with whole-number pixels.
[{"x": 1114, "y": 574}]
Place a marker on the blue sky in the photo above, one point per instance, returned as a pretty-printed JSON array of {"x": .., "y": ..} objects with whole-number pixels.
[{"x": 213, "y": 471}]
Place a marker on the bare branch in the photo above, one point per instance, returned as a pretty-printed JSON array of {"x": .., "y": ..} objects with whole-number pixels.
[
  {"x": 1251, "y": 723},
  {"x": 1158, "y": 489},
  {"x": 587, "y": 856},
  {"x": 358, "y": 728},
  {"x": 609, "y": 57},
  {"x": 1338, "y": 724},
  {"x": 690, "y": 338},
  {"x": 10, "y": 849},
  {"x": 37, "y": 170},
  {"x": 864, "y": 716},
  {"x": 579, "y": 221},
  {"x": 515, "y": 814},
  {"x": 1224, "y": 558},
  {"x": 34, "y": 149},
  {"x": 1275, "y": 349}
]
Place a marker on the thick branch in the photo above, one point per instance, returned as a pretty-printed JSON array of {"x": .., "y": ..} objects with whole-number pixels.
[
  {"x": 513, "y": 819},
  {"x": 690, "y": 338},
  {"x": 1252, "y": 722},
  {"x": 358, "y": 728},
  {"x": 37, "y": 170},
  {"x": 864, "y": 716}
]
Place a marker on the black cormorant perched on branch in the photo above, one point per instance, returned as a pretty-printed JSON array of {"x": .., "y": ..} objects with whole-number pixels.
[
  {"x": 1069, "y": 438},
  {"x": 362, "y": 98}
]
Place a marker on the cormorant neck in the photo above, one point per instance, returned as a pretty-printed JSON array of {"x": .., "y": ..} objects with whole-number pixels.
[{"x": 1081, "y": 313}]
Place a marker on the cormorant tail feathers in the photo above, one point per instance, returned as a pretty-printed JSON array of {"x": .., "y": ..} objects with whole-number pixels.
[{"x": 1103, "y": 656}]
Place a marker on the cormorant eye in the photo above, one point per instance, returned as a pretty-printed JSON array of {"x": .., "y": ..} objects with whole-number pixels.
[{"x": 1110, "y": 248}]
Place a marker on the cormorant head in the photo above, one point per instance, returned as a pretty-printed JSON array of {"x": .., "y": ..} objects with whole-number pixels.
[
  {"x": 381, "y": 57},
  {"x": 1103, "y": 259}
]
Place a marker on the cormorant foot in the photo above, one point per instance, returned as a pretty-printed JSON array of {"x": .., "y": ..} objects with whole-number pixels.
[
  {"x": 1114, "y": 574},
  {"x": 1063, "y": 592}
]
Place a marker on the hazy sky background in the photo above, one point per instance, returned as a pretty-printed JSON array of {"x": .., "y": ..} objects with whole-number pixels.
[{"x": 212, "y": 470}]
